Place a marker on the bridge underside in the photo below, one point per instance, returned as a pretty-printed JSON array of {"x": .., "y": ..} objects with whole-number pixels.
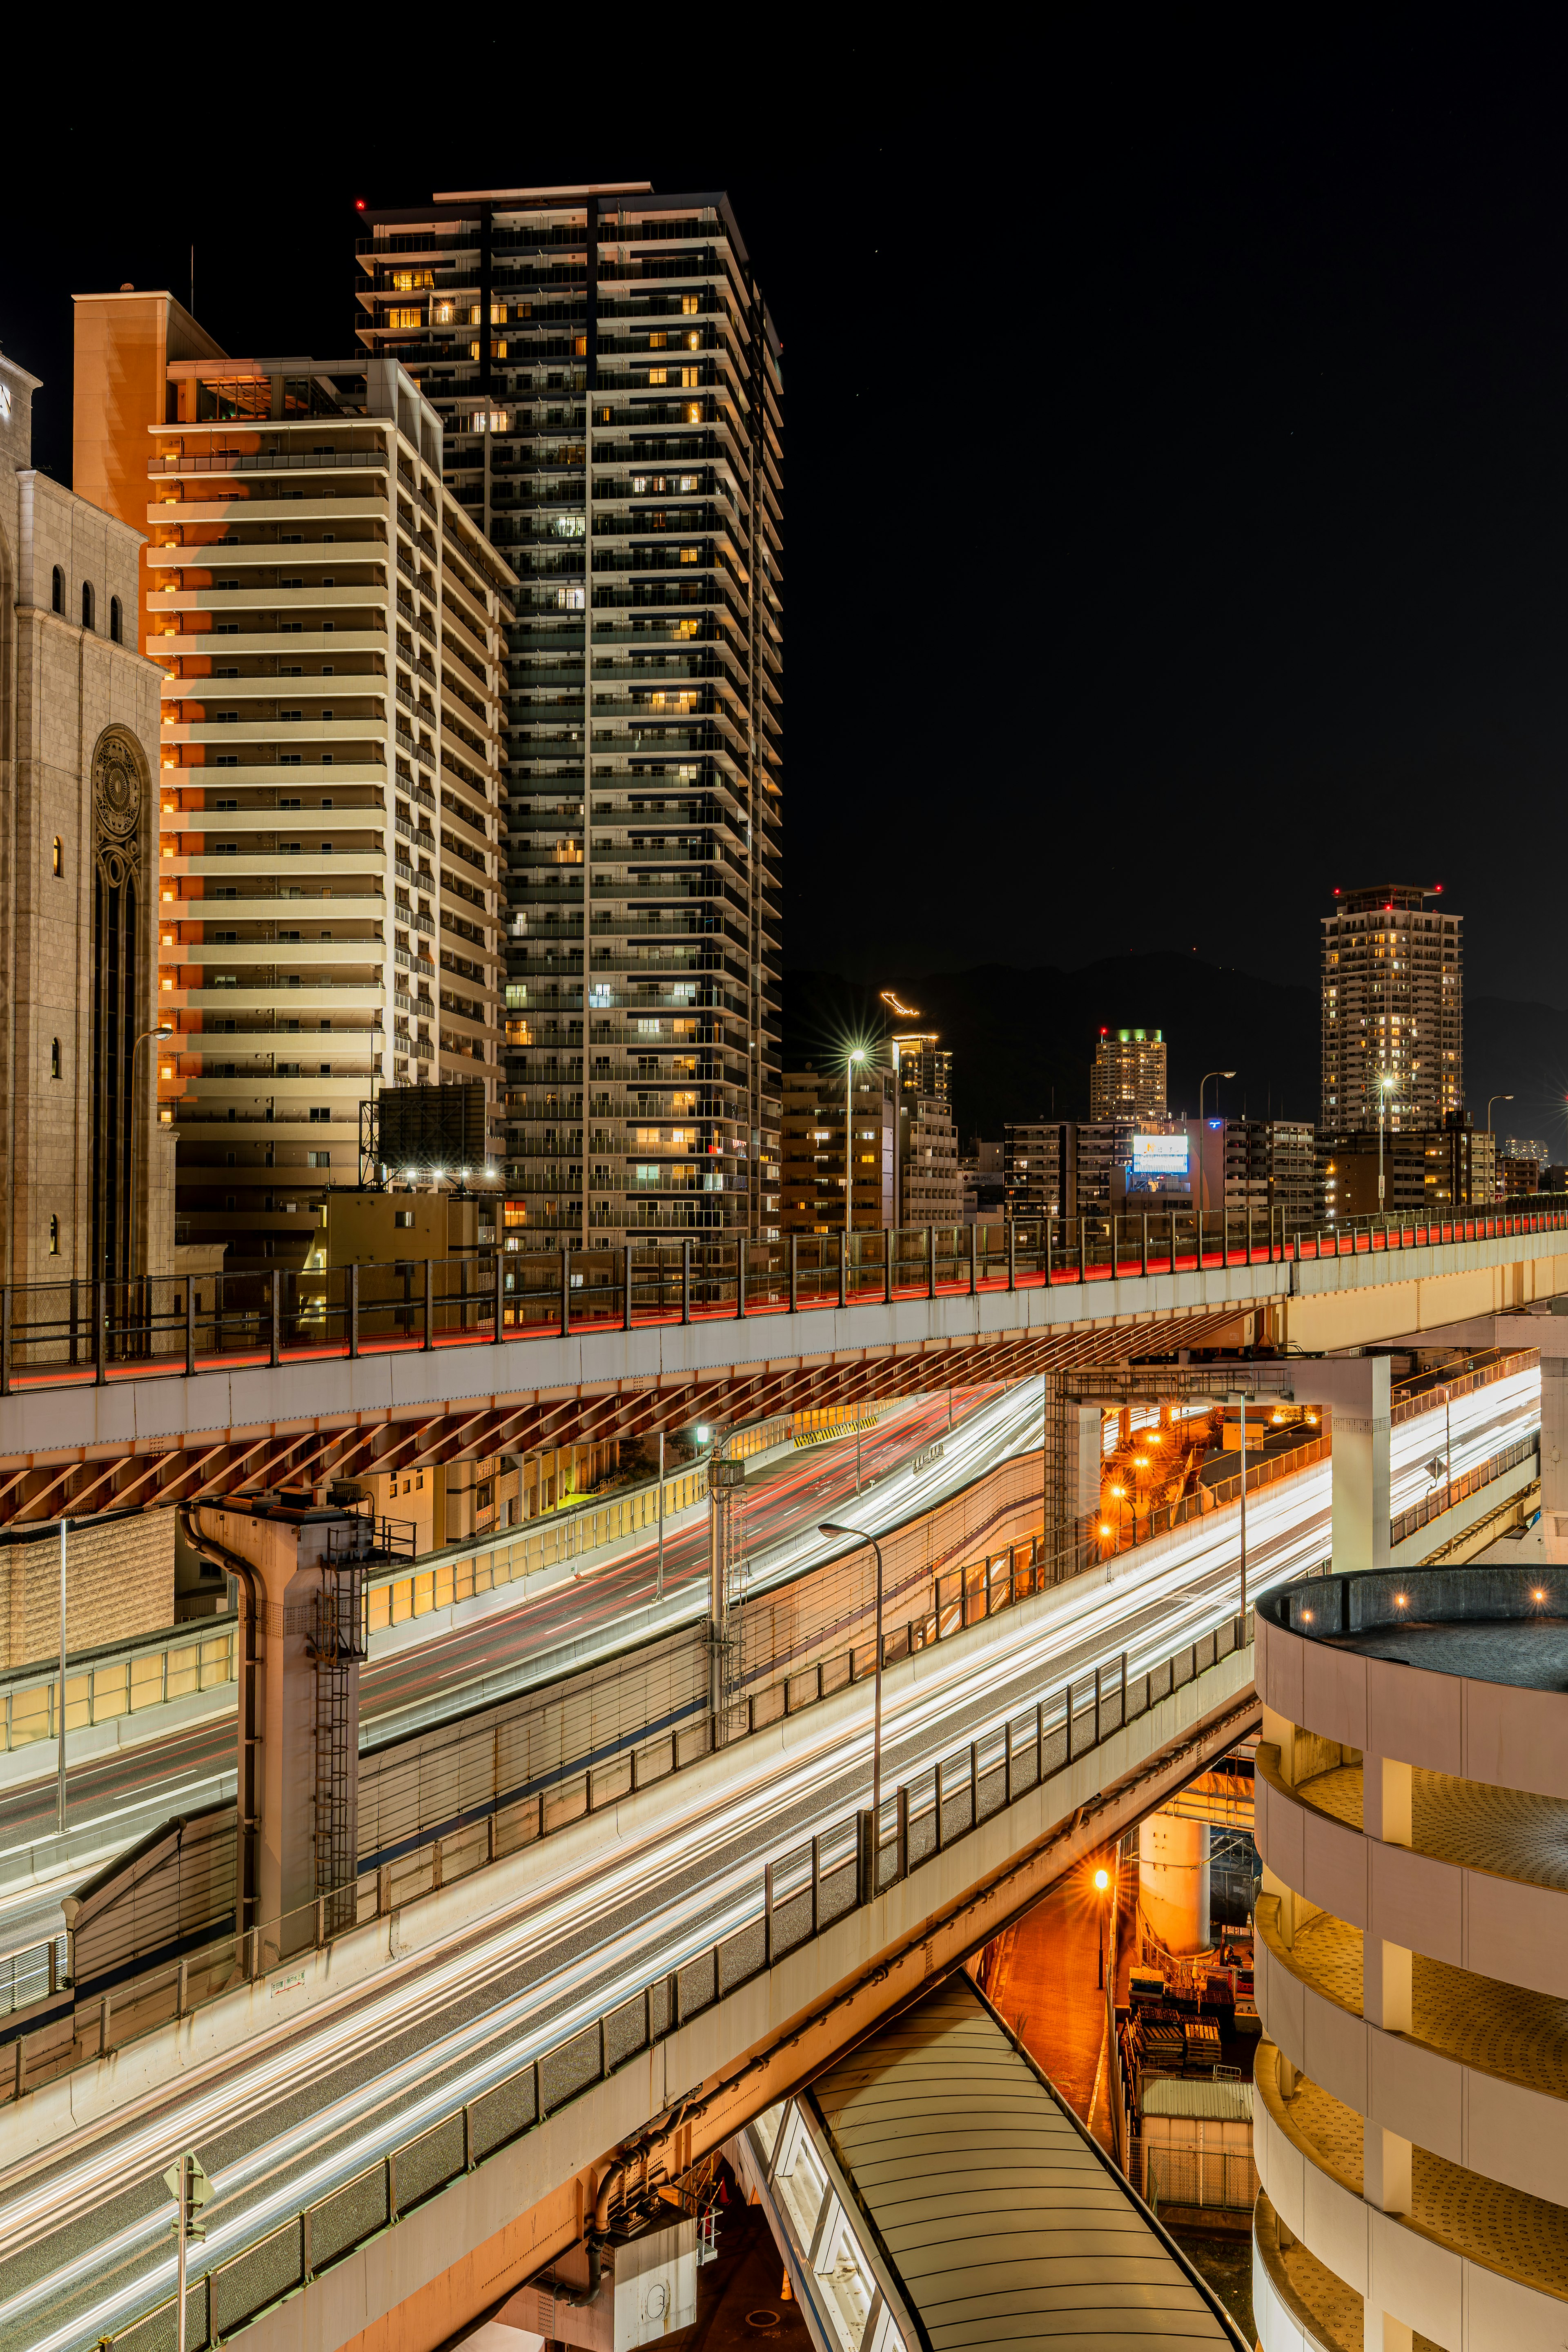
[
  {"x": 312, "y": 1452},
  {"x": 165, "y": 1438}
]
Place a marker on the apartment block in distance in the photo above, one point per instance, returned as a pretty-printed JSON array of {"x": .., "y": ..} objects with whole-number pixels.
[
  {"x": 1393, "y": 1008},
  {"x": 1453, "y": 1166},
  {"x": 1039, "y": 1166},
  {"x": 330, "y": 625},
  {"x": 610, "y": 385},
  {"x": 1128, "y": 1080},
  {"x": 814, "y": 1150}
]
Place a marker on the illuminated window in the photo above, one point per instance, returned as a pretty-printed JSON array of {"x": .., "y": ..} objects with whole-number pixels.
[
  {"x": 688, "y": 305},
  {"x": 411, "y": 281},
  {"x": 54, "y": 1237},
  {"x": 657, "y": 342},
  {"x": 57, "y": 855},
  {"x": 694, "y": 412},
  {"x": 497, "y": 314},
  {"x": 54, "y": 1057},
  {"x": 569, "y": 600},
  {"x": 659, "y": 375},
  {"x": 408, "y": 318},
  {"x": 441, "y": 314},
  {"x": 690, "y": 554}
]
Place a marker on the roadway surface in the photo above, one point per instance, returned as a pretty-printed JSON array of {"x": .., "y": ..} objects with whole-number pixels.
[
  {"x": 497, "y": 1650},
  {"x": 83, "y": 2225}
]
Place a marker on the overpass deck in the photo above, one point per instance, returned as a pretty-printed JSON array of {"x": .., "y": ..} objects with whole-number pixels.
[{"x": 318, "y": 1386}]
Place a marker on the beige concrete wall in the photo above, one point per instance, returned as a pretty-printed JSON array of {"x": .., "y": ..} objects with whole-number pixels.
[
  {"x": 119, "y": 1581},
  {"x": 1328, "y": 1312}
]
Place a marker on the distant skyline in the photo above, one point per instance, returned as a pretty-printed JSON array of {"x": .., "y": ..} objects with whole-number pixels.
[{"x": 1176, "y": 462}]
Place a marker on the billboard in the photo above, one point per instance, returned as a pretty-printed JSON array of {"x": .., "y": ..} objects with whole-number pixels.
[
  {"x": 1159, "y": 1155},
  {"x": 432, "y": 1127}
]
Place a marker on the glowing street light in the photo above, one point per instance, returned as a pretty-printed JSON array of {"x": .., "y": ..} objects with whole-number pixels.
[
  {"x": 855, "y": 1054},
  {"x": 1101, "y": 1881}
]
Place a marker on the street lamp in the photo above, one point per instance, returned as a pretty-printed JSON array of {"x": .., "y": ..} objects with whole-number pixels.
[
  {"x": 1387, "y": 1080},
  {"x": 1490, "y": 1100},
  {"x": 1203, "y": 1081},
  {"x": 857, "y": 1054},
  {"x": 832, "y": 1528},
  {"x": 163, "y": 1029},
  {"x": 1101, "y": 1881}
]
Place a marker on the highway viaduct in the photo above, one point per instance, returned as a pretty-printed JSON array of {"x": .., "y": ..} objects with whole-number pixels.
[{"x": 71, "y": 1444}]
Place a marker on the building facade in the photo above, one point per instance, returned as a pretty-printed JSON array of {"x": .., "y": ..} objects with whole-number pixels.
[
  {"x": 1264, "y": 1166},
  {"x": 819, "y": 1165},
  {"x": 1039, "y": 1166},
  {"x": 1411, "y": 2127},
  {"x": 330, "y": 625},
  {"x": 1128, "y": 1079},
  {"x": 1452, "y": 1166},
  {"x": 610, "y": 385},
  {"x": 930, "y": 1192},
  {"x": 89, "y": 1173},
  {"x": 1393, "y": 1008}
]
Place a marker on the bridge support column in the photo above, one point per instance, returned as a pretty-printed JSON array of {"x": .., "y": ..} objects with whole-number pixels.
[
  {"x": 1356, "y": 1392},
  {"x": 300, "y": 1570}
]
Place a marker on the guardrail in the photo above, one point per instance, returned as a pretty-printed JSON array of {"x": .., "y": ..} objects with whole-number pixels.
[
  {"x": 800, "y": 1896},
  {"x": 1454, "y": 1490},
  {"x": 1424, "y": 1391},
  {"x": 56, "y": 1334},
  {"x": 485, "y": 1831}
]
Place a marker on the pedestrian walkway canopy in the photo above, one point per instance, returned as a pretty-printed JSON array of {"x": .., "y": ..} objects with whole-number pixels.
[{"x": 933, "y": 2189}]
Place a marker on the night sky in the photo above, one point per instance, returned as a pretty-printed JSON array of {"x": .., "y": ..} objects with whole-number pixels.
[{"x": 1178, "y": 500}]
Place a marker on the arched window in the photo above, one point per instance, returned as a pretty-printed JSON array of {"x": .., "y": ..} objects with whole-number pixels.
[
  {"x": 59, "y": 590},
  {"x": 54, "y": 1057},
  {"x": 54, "y": 1237},
  {"x": 87, "y": 603},
  {"x": 57, "y": 855},
  {"x": 114, "y": 623}
]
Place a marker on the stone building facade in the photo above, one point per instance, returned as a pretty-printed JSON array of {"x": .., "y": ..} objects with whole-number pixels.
[{"x": 88, "y": 1188}]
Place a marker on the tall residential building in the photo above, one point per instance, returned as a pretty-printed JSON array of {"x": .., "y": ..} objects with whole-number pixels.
[
  {"x": 88, "y": 1190},
  {"x": 1451, "y": 1165},
  {"x": 610, "y": 384},
  {"x": 1039, "y": 1165},
  {"x": 1128, "y": 1080},
  {"x": 1265, "y": 1166},
  {"x": 921, "y": 1064},
  {"x": 1393, "y": 1008},
  {"x": 329, "y": 621},
  {"x": 818, "y": 1163},
  {"x": 930, "y": 1192}
]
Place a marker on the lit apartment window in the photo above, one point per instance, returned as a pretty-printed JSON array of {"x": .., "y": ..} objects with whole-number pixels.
[
  {"x": 405, "y": 318},
  {"x": 57, "y": 855}
]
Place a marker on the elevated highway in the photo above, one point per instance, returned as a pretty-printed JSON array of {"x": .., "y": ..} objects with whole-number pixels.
[
  {"x": 405, "y": 2124},
  {"x": 144, "y": 1399}
]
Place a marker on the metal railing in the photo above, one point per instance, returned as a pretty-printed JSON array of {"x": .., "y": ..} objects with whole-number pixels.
[
  {"x": 801, "y": 1895},
  {"x": 1424, "y": 1391},
  {"x": 1454, "y": 1490},
  {"x": 56, "y": 1333}
]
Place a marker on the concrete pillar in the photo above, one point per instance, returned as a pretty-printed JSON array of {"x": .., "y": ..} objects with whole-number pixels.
[
  {"x": 1280, "y": 1732},
  {"x": 1084, "y": 1460},
  {"x": 1385, "y": 2167},
  {"x": 300, "y": 1570},
  {"x": 1385, "y": 1985},
  {"x": 1356, "y": 1391},
  {"x": 1173, "y": 1880},
  {"x": 1381, "y": 2332},
  {"x": 1386, "y": 1799}
]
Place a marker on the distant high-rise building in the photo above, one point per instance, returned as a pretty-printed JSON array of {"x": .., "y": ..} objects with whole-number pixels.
[
  {"x": 1451, "y": 1165},
  {"x": 817, "y": 1162},
  {"x": 922, "y": 1065},
  {"x": 930, "y": 1192},
  {"x": 1039, "y": 1166},
  {"x": 1393, "y": 1009},
  {"x": 609, "y": 384},
  {"x": 1128, "y": 1080}
]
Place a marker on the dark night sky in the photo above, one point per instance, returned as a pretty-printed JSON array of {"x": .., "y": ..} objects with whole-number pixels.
[{"x": 1178, "y": 479}]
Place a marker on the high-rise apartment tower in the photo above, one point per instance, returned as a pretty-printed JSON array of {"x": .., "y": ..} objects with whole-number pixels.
[
  {"x": 610, "y": 385},
  {"x": 1393, "y": 1010},
  {"x": 328, "y": 620},
  {"x": 1128, "y": 1080}
]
